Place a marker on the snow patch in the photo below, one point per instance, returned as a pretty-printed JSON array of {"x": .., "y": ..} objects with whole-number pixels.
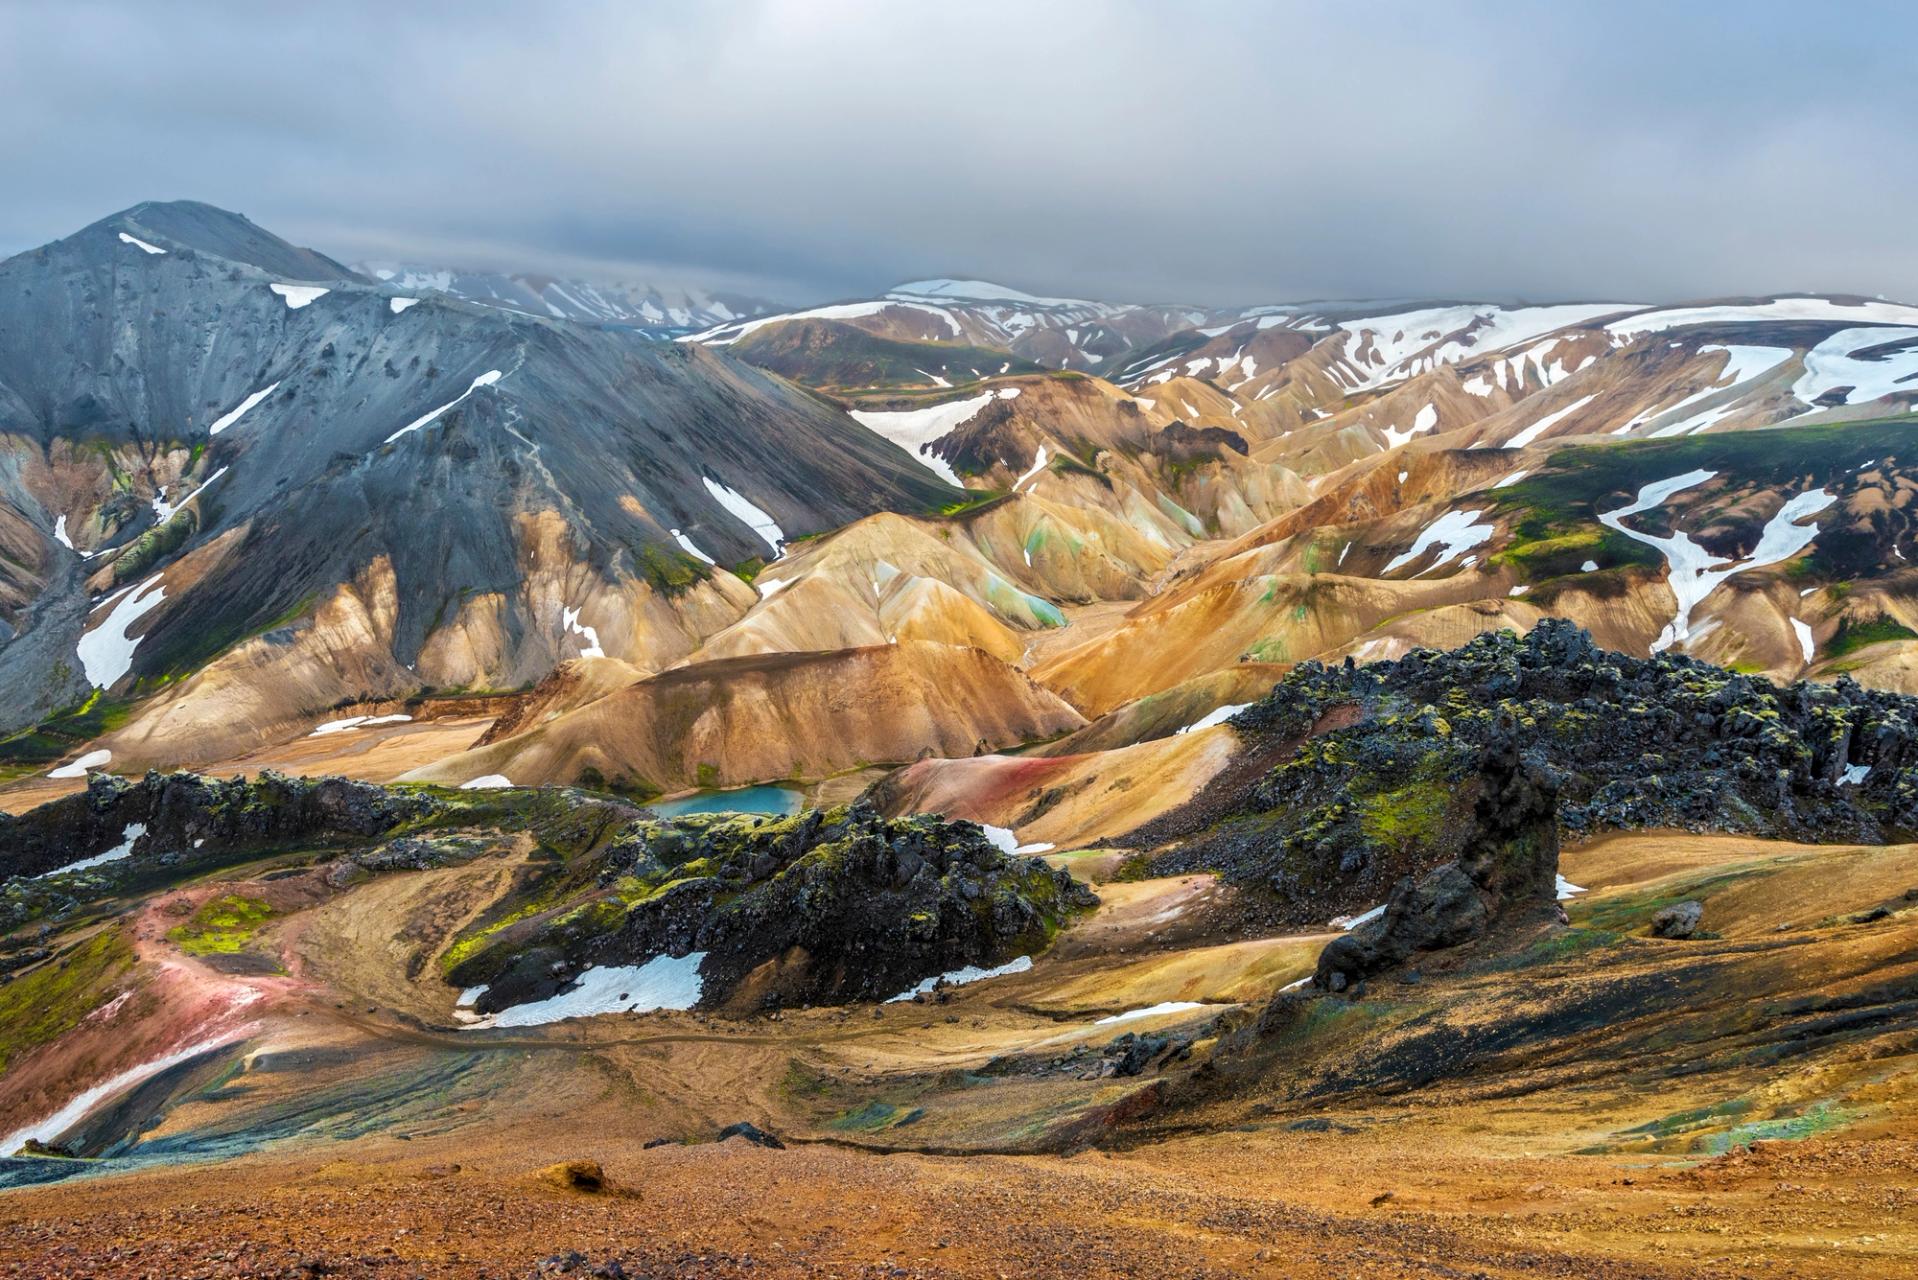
[
  {"x": 690, "y": 546},
  {"x": 760, "y": 523},
  {"x": 963, "y": 977},
  {"x": 1217, "y": 716},
  {"x": 133, "y": 832},
  {"x": 917, "y": 430},
  {"x": 399, "y": 305},
  {"x": 76, "y": 1110},
  {"x": 1453, "y": 534},
  {"x": 138, "y": 243},
  {"x": 664, "y": 982},
  {"x": 299, "y": 295},
  {"x": 486, "y": 379},
  {"x": 1547, "y": 422},
  {"x": 228, "y": 419},
  {"x": 1694, "y": 573},
  {"x": 1807, "y": 643},
  {"x": 1151, "y": 1011},
  {"x": 106, "y": 652},
  {"x": 78, "y": 768},
  {"x": 487, "y": 782}
]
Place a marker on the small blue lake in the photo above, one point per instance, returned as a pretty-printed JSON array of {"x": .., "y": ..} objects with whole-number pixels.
[{"x": 763, "y": 799}]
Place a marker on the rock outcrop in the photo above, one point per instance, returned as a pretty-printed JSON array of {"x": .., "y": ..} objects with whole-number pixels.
[
  {"x": 822, "y": 907},
  {"x": 1379, "y": 762},
  {"x": 1510, "y": 864}
]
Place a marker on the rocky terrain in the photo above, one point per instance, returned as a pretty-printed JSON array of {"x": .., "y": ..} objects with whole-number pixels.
[{"x": 1390, "y": 761}]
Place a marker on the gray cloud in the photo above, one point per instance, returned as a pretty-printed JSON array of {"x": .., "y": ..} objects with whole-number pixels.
[{"x": 1211, "y": 152}]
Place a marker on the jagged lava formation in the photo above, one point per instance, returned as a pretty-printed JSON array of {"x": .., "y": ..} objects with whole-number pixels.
[{"x": 1384, "y": 776}]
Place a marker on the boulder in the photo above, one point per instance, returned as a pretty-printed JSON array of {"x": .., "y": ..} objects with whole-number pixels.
[{"x": 1679, "y": 920}]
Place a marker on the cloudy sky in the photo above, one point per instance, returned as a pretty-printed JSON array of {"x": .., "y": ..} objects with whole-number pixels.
[{"x": 1206, "y": 152}]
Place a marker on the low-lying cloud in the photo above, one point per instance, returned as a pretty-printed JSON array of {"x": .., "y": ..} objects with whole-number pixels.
[{"x": 1214, "y": 153}]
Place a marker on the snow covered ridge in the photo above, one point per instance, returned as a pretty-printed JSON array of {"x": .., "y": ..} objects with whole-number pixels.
[{"x": 1776, "y": 309}]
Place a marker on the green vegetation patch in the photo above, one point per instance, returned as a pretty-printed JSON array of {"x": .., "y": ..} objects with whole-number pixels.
[
  {"x": 46, "y": 1003},
  {"x": 1854, "y": 635},
  {"x": 222, "y": 926}
]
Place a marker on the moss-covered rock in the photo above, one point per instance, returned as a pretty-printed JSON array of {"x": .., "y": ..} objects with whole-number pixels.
[{"x": 820, "y": 907}]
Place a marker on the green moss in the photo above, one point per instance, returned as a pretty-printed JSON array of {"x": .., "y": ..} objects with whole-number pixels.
[
  {"x": 45, "y": 1003},
  {"x": 222, "y": 926},
  {"x": 1406, "y": 817},
  {"x": 1854, "y": 635}
]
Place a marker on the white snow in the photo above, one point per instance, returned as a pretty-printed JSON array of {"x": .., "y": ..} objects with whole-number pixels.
[
  {"x": 330, "y": 727},
  {"x": 228, "y": 419},
  {"x": 401, "y": 304},
  {"x": 1547, "y": 422},
  {"x": 138, "y": 243},
  {"x": 1039, "y": 847},
  {"x": 1349, "y": 923},
  {"x": 726, "y": 334},
  {"x": 1567, "y": 890},
  {"x": 1520, "y": 589},
  {"x": 1383, "y": 349},
  {"x": 1425, "y": 420},
  {"x": 1514, "y": 478},
  {"x": 1453, "y": 533},
  {"x": 1834, "y": 363},
  {"x": 486, "y": 379},
  {"x": 76, "y": 1110},
  {"x": 1038, "y": 465},
  {"x": 487, "y": 782},
  {"x": 299, "y": 295},
  {"x": 1151, "y": 1011},
  {"x": 1778, "y": 309},
  {"x": 60, "y": 532},
  {"x": 1002, "y": 837},
  {"x": 1590, "y": 566},
  {"x": 106, "y": 652},
  {"x": 1478, "y": 384},
  {"x": 164, "y": 511},
  {"x": 134, "y": 830},
  {"x": 964, "y": 976},
  {"x": 1695, "y": 573},
  {"x": 766, "y": 586},
  {"x": 590, "y": 649},
  {"x": 470, "y": 996},
  {"x": 664, "y": 982},
  {"x": 917, "y": 430},
  {"x": 1806, "y": 641},
  {"x": 761, "y": 523},
  {"x": 690, "y": 546},
  {"x": 1217, "y": 716},
  {"x": 1856, "y": 773},
  {"x": 1742, "y": 364},
  {"x": 78, "y": 768},
  {"x": 980, "y": 291}
]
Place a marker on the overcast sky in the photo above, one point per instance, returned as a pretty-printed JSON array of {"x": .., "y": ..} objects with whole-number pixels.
[{"x": 1213, "y": 153}]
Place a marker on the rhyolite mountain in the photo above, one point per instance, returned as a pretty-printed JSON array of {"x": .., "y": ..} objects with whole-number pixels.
[{"x": 386, "y": 491}]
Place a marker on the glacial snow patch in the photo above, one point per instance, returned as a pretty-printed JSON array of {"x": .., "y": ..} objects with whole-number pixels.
[{"x": 664, "y": 982}]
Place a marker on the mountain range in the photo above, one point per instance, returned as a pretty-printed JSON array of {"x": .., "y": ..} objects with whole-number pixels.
[{"x": 513, "y": 717}]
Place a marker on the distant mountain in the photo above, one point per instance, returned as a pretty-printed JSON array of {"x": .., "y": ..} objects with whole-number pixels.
[
  {"x": 241, "y": 473},
  {"x": 654, "y": 310}
]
